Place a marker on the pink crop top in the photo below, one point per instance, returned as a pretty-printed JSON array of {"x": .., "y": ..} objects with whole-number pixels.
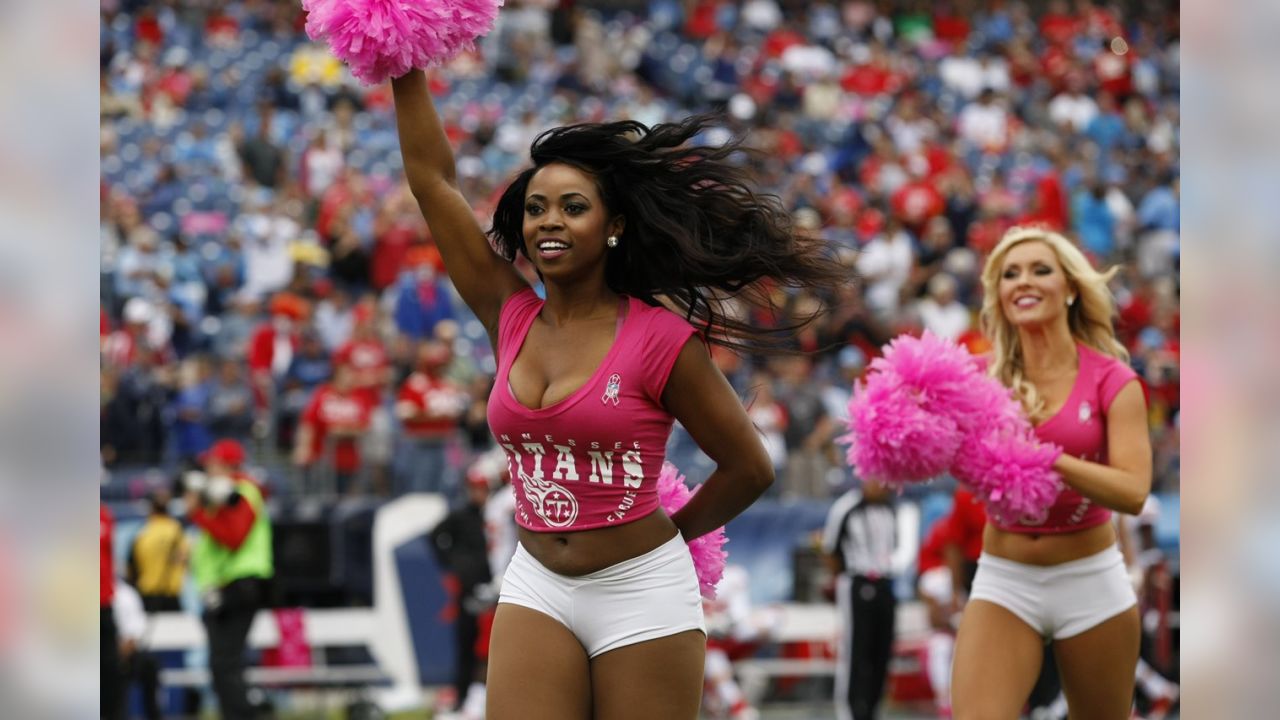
[
  {"x": 592, "y": 459},
  {"x": 1080, "y": 429}
]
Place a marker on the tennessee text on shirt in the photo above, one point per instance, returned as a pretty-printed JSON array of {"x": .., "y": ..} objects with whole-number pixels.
[{"x": 530, "y": 459}]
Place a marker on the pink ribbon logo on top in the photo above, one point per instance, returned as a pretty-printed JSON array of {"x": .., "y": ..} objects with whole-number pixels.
[{"x": 611, "y": 389}]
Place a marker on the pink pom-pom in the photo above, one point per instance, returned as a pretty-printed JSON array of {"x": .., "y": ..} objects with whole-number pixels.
[
  {"x": 707, "y": 551},
  {"x": 927, "y": 407},
  {"x": 893, "y": 437},
  {"x": 908, "y": 419},
  {"x": 1011, "y": 470},
  {"x": 379, "y": 39}
]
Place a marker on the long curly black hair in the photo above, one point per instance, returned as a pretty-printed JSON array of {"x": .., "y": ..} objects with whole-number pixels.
[{"x": 696, "y": 234}]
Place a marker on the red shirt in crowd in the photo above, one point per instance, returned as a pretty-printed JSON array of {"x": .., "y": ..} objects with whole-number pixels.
[
  {"x": 931, "y": 547},
  {"x": 938, "y": 156},
  {"x": 870, "y": 79},
  {"x": 262, "y": 347},
  {"x": 368, "y": 362},
  {"x": 916, "y": 203},
  {"x": 1048, "y": 206},
  {"x": 120, "y": 349},
  {"x": 1058, "y": 28},
  {"x": 951, "y": 28},
  {"x": 702, "y": 20},
  {"x": 966, "y": 522},
  {"x": 147, "y": 28},
  {"x": 331, "y": 410},
  {"x": 779, "y": 41},
  {"x": 389, "y": 252},
  {"x": 1055, "y": 63},
  {"x": 1114, "y": 72},
  {"x": 106, "y": 563},
  {"x": 438, "y": 398}
]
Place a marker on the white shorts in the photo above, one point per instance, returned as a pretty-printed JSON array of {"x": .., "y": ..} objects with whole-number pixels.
[
  {"x": 1057, "y": 601},
  {"x": 646, "y": 597}
]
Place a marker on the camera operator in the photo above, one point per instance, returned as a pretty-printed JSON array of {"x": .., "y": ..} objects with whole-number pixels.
[{"x": 232, "y": 563}]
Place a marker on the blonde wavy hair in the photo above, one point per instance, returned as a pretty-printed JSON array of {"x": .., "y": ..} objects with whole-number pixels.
[{"x": 1089, "y": 317}]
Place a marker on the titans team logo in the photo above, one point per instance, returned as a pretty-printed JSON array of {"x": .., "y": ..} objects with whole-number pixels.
[
  {"x": 611, "y": 389},
  {"x": 551, "y": 501}
]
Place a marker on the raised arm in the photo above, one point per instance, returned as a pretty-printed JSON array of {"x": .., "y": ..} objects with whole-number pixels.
[{"x": 482, "y": 277}]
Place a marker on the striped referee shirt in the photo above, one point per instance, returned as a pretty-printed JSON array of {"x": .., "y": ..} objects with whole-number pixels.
[{"x": 872, "y": 539}]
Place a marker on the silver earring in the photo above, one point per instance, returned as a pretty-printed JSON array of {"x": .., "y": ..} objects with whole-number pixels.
[
  {"x": 1071, "y": 301},
  {"x": 612, "y": 241}
]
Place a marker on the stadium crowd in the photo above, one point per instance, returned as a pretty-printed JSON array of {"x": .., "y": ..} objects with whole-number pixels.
[{"x": 267, "y": 277}]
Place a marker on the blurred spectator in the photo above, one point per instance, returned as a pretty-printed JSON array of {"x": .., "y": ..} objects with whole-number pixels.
[
  {"x": 735, "y": 630},
  {"x": 475, "y": 421},
  {"x": 272, "y": 345},
  {"x": 805, "y": 429},
  {"x": 985, "y": 124},
  {"x": 326, "y": 447},
  {"x": 137, "y": 665},
  {"x": 158, "y": 556},
  {"x": 460, "y": 544},
  {"x": 237, "y": 326},
  {"x": 399, "y": 226},
  {"x": 940, "y": 311},
  {"x": 321, "y": 164},
  {"x": 1093, "y": 221},
  {"x": 138, "y": 262},
  {"x": 1158, "y": 209},
  {"x": 123, "y": 347},
  {"x": 231, "y": 407},
  {"x": 264, "y": 161},
  {"x": 1149, "y": 567},
  {"x": 885, "y": 262},
  {"x": 422, "y": 296},
  {"x": 770, "y": 420},
  {"x": 349, "y": 259},
  {"x": 917, "y": 201},
  {"x": 132, "y": 422},
  {"x": 308, "y": 369},
  {"x": 934, "y": 588},
  {"x": 430, "y": 407},
  {"x": 110, "y": 686},
  {"x": 1072, "y": 108},
  {"x": 192, "y": 433},
  {"x": 370, "y": 365},
  {"x": 268, "y": 227}
]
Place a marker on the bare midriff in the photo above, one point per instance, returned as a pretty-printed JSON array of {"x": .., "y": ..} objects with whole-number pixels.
[
  {"x": 1047, "y": 548},
  {"x": 586, "y": 551}
]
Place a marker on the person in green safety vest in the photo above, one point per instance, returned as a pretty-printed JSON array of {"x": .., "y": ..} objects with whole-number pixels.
[{"x": 232, "y": 564}]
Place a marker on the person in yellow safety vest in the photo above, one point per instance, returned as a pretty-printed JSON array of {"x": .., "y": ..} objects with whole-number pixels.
[{"x": 232, "y": 564}]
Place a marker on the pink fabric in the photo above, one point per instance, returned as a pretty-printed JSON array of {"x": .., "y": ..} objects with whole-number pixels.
[
  {"x": 293, "y": 650},
  {"x": 1080, "y": 429},
  {"x": 382, "y": 39},
  {"x": 592, "y": 459},
  {"x": 707, "y": 550}
]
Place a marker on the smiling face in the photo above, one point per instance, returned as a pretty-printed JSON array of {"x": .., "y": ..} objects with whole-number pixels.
[
  {"x": 1033, "y": 287},
  {"x": 566, "y": 222}
]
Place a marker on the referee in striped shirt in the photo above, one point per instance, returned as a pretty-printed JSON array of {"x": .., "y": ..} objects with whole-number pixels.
[{"x": 868, "y": 540}]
